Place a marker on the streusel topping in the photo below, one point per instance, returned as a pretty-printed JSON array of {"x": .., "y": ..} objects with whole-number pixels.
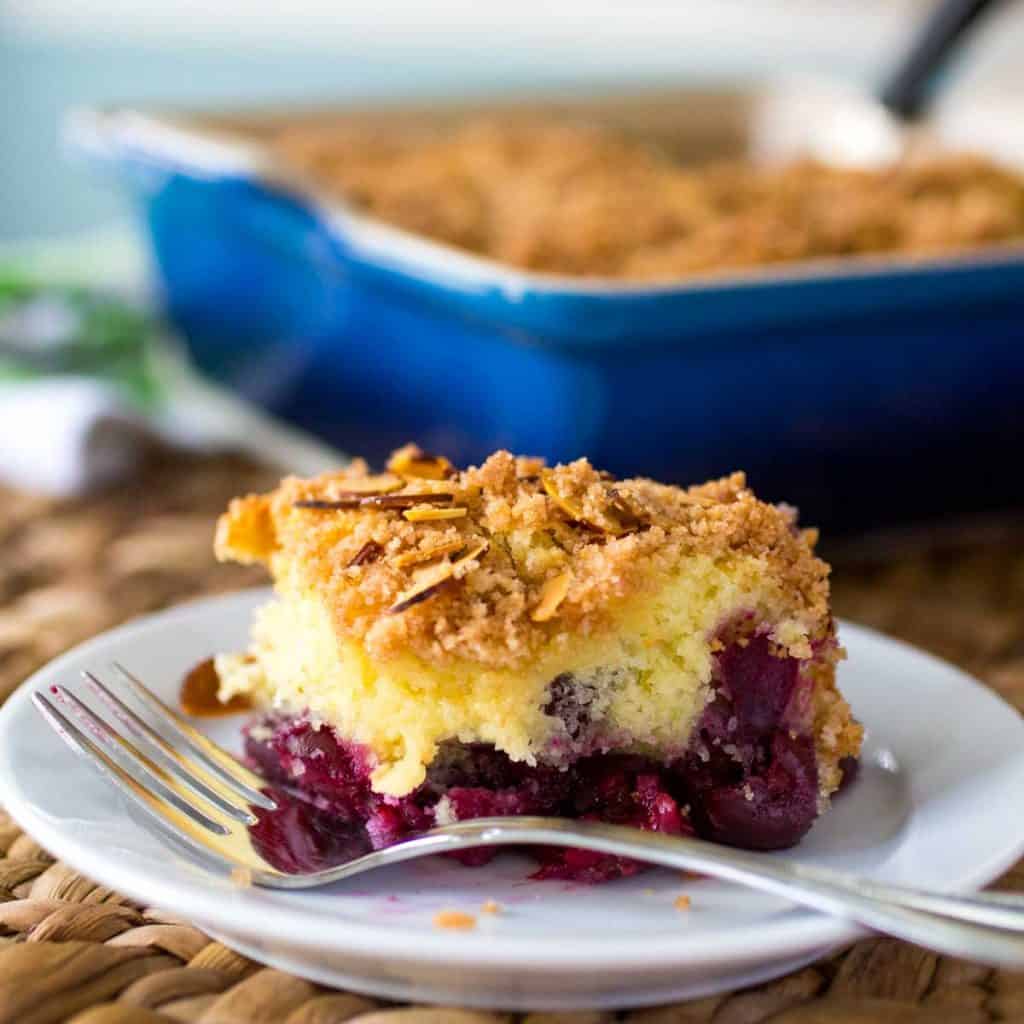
[
  {"x": 496, "y": 562},
  {"x": 569, "y": 197}
]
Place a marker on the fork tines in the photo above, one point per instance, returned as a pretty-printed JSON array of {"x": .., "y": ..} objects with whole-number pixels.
[{"x": 167, "y": 767}]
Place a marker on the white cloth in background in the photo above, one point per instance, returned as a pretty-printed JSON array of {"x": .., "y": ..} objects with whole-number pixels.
[{"x": 64, "y": 436}]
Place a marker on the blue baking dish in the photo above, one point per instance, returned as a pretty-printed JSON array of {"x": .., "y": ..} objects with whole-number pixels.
[{"x": 865, "y": 390}]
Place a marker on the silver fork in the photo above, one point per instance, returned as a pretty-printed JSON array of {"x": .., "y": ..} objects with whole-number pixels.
[{"x": 197, "y": 794}]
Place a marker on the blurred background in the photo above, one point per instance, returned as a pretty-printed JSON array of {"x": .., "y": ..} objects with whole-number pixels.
[
  {"x": 262, "y": 325},
  {"x": 55, "y": 54}
]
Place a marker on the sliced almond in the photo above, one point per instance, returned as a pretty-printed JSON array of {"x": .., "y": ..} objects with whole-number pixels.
[
  {"x": 426, "y": 513},
  {"x": 570, "y": 507},
  {"x": 369, "y": 552},
  {"x": 626, "y": 515},
  {"x": 552, "y": 594},
  {"x": 409, "y": 500},
  {"x": 413, "y": 461},
  {"x": 426, "y": 584},
  {"x": 429, "y": 580},
  {"x": 419, "y": 555},
  {"x": 328, "y": 504},
  {"x": 381, "y": 483},
  {"x": 474, "y": 550},
  {"x": 381, "y": 501},
  {"x": 619, "y": 517}
]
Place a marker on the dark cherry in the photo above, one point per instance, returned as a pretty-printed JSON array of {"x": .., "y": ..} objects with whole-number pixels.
[
  {"x": 758, "y": 685},
  {"x": 768, "y": 811},
  {"x": 390, "y": 821},
  {"x": 298, "y": 836},
  {"x": 314, "y": 761},
  {"x": 751, "y": 782},
  {"x": 622, "y": 791}
]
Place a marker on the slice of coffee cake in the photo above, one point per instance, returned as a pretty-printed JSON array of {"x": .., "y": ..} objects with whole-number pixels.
[{"x": 515, "y": 638}]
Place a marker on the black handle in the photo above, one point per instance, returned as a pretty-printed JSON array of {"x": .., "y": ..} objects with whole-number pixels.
[{"x": 907, "y": 91}]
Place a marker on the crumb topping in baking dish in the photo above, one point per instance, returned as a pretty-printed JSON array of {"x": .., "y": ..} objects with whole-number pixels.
[{"x": 576, "y": 198}]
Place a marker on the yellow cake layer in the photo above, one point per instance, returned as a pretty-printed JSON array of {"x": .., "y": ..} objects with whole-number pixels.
[{"x": 651, "y": 664}]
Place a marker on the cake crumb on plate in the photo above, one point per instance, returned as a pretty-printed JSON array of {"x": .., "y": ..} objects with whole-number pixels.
[
  {"x": 681, "y": 903},
  {"x": 454, "y": 920}
]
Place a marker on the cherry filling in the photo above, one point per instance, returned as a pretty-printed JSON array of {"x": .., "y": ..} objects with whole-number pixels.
[
  {"x": 751, "y": 772},
  {"x": 748, "y": 778}
]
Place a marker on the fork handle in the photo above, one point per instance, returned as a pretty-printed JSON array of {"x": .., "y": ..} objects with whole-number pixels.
[
  {"x": 1004, "y": 910},
  {"x": 982, "y": 927}
]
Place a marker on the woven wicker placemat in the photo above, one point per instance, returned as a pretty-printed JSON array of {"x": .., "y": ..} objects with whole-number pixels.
[{"x": 71, "y": 950}]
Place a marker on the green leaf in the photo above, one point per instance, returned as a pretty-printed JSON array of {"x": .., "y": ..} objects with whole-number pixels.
[{"x": 106, "y": 337}]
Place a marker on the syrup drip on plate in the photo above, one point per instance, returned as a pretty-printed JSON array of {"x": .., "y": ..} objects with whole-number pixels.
[{"x": 198, "y": 694}]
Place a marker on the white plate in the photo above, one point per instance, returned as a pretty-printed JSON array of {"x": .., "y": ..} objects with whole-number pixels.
[{"x": 937, "y": 804}]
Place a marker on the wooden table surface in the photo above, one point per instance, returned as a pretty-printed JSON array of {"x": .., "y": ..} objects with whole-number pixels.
[{"x": 70, "y": 950}]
